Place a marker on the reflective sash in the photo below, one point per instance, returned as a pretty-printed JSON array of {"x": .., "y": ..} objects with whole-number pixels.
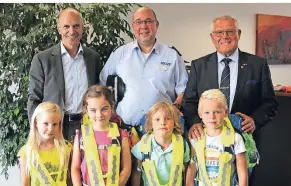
[
  {"x": 92, "y": 155},
  {"x": 40, "y": 171},
  {"x": 176, "y": 165},
  {"x": 225, "y": 158}
]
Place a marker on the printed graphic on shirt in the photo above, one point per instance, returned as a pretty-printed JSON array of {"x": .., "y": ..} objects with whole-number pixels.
[
  {"x": 52, "y": 169},
  {"x": 212, "y": 158}
]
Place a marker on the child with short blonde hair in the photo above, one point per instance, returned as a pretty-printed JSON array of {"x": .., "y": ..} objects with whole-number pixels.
[
  {"x": 214, "y": 154},
  {"x": 162, "y": 151},
  {"x": 44, "y": 158}
]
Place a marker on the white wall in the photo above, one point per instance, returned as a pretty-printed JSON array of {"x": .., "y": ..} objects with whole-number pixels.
[
  {"x": 187, "y": 27},
  {"x": 13, "y": 179}
]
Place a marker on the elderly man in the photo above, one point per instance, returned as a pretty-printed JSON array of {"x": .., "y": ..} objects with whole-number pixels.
[
  {"x": 151, "y": 71},
  {"x": 245, "y": 80},
  {"x": 63, "y": 73}
]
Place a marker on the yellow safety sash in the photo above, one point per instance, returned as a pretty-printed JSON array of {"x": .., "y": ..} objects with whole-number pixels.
[
  {"x": 40, "y": 171},
  {"x": 92, "y": 156},
  {"x": 176, "y": 165},
  {"x": 225, "y": 159}
]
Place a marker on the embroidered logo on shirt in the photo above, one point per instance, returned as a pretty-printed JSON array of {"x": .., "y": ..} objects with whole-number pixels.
[{"x": 165, "y": 63}]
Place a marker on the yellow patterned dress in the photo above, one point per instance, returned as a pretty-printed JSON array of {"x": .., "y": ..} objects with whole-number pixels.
[{"x": 47, "y": 171}]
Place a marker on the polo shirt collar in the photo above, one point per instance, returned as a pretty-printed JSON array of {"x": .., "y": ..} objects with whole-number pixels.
[
  {"x": 156, "y": 48},
  {"x": 157, "y": 147}
]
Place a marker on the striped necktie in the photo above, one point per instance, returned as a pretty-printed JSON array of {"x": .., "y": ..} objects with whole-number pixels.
[{"x": 225, "y": 80}]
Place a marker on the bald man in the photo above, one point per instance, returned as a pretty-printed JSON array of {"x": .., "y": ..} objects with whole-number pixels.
[
  {"x": 63, "y": 73},
  {"x": 151, "y": 71}
]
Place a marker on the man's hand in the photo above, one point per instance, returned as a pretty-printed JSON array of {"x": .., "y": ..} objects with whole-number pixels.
[
  {"x": 196, "y": 131},
  {"x": 248, "y": 124},
  {"x": 178, "y": 107}
]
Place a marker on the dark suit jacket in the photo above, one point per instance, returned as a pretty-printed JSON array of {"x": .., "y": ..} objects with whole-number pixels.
[
  {"x": 254, "y": 94},
  {"x": 47, "y": 76}
]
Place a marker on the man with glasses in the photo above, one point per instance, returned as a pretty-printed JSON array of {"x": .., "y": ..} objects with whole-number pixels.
[
  {"x": 244, "y": 79},
  {"x": 151, "y": 71}
]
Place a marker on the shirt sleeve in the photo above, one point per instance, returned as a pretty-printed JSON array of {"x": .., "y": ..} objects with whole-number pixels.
[
  {"x": 109, "y": 67},
  {"x": 192, "y": 142},
  {"x": 187, "y": 152},
  {"x": 239, "y": 145},
  {"x": 181, "y": 75},
  {"x": 136, "y": 151},
  {"x": 21, "y": 153},
  {"x": 123, "y": 133}
]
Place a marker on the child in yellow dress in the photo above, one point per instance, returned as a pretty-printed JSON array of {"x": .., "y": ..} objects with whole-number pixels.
[{"x": 44, "y": 158}]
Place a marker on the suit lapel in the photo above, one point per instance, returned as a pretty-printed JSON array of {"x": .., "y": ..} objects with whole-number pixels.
[
  {"x": 243, "y": 70},
  {"x": 90, "y": 69},
  {"x": 212, "y": 71},
  {"x": 58, "y": 69}
]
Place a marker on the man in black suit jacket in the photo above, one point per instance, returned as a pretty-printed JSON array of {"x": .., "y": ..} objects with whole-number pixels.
[
  {"x": 63, "y": 73},
  {"x": 251, "y": 90}
]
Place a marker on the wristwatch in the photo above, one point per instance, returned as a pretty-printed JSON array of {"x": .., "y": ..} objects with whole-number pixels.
[{"x": 177, "y": 105}]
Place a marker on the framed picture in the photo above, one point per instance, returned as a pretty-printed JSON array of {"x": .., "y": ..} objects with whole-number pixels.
[{"x": 273, "y": 38}]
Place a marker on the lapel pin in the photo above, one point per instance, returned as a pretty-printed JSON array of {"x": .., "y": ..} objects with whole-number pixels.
[{"x": 241, "y": 66}]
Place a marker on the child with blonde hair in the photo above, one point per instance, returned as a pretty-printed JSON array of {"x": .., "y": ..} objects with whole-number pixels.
[
  {"x": 44, "y": 158},
  {"x": 101, "y": 154},
  {"x": 221, "y": 150},
  {"x": 162, "y": 151}
]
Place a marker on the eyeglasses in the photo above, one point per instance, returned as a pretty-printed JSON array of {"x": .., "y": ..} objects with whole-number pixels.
[
  {"x": 220, "y": 33},
  {"x": 147, "y": 21}
]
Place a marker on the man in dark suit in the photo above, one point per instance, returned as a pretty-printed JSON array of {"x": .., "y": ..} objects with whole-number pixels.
[
  {"x": 63, "y": 73},
  {"x": 249, "y": 91}
]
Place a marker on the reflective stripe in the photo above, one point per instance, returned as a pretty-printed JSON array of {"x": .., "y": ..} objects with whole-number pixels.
[
  {"x": 42, "y": 174},
  {"x": 177, "y": 160},
  {"x": 225, "y": 158},
  {"x": 94, "y": 172},
  {"x": 153, "y": 181},
  {"x": 103, "y": 147},
  {"x": 176, "y": 174},
  {"x": 92, "y": 155},
  {"x": 113, "y": 166},
  {"x": 40, "y": 171},
  {"x": 176, "y": 165}
]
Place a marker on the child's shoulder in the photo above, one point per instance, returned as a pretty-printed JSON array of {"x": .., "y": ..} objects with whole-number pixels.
[
  {"x": 21, "y": 153},
  {"x": 237, "y": 137},
  {"x": 136, "y": 150}
]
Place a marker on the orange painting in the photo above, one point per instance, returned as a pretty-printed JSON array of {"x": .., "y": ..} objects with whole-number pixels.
[{"x": 274, "y": 38}]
